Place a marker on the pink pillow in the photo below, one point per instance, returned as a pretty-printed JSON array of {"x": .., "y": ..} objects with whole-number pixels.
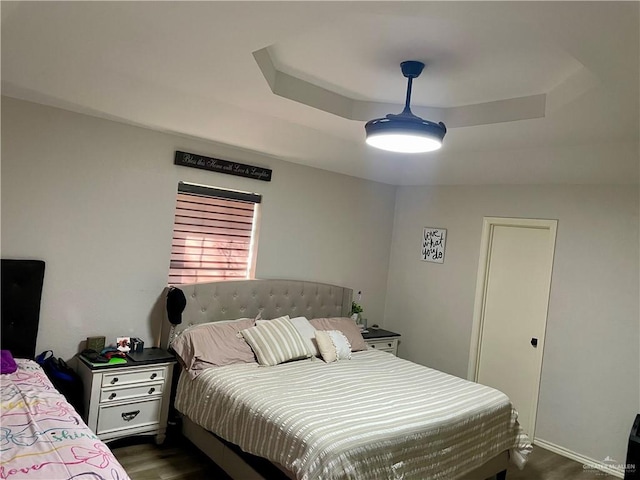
[
  {"x": 213, "y": 344},
  {"x": 345, "y": 325}
]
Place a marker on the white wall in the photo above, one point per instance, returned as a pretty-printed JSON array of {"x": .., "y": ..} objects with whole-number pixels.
[
  {"x": 95, "y": 199},
  {"x": 589, "y": 392}
]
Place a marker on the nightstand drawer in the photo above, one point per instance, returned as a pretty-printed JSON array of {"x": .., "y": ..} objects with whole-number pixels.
[
  {"x": 384, "y": 345},
  {"x": 120, "y": 417},
  {"x": 383, "y": 340},
  {"x": 108, "y": 395},
  {"x": 124, "y": 378}
]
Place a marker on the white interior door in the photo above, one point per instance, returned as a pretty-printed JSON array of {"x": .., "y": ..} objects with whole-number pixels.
[{"x": 512, "y": 299}]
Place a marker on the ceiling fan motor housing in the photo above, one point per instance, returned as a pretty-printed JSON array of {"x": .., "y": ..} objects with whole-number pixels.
[
  {"x": 405, "y": 123},
  {"x": 411, "y": 68}
]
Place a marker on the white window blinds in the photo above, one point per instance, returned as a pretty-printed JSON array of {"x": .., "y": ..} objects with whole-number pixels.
[{"x": 213, "y": 235}]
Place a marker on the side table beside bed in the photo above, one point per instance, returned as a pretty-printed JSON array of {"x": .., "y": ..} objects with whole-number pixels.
[
  {"x": 128, "y": 399},
  {"x": 383, "y": 340}
]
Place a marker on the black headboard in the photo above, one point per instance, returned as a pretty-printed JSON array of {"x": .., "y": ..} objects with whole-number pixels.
[{"x": 21, "y": 292}]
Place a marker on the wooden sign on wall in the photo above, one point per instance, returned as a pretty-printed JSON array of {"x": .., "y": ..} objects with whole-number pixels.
[{"x": 222, "y": 166}]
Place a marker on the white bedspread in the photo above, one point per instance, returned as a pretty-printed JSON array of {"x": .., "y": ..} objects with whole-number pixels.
[{"x": 373, "y": 417}]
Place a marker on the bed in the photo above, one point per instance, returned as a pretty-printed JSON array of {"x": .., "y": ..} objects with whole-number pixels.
[
  {"x": 373, "y": 416},
  {"x": 41, "y": 435}
]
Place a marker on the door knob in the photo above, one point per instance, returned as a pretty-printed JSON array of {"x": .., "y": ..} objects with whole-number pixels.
[{"x": 534, "y": 342}]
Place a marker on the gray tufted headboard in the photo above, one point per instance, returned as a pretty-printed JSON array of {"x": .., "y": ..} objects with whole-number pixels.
[{"x": 212, "y": 302}]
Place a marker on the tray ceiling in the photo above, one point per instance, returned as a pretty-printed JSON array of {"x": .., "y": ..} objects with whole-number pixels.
[{"x": 532, "y": 92}]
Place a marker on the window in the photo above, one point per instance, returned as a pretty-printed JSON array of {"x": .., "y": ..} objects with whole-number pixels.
[{"x": 213, "y": 235}]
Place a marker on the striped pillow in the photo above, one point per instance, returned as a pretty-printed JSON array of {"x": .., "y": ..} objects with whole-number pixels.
[{"x": 276, "y": 341}]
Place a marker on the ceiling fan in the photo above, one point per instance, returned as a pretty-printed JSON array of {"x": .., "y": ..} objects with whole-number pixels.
[{"x": 406, "y": 132}]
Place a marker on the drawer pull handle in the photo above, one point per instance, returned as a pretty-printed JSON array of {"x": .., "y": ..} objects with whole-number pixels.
[
  {"x": 373, "y": 346},
  {"x": 151, "y": 390},
  {"x": 389, "y": 344},
  {"x": 153, "y": 375},
  {"x": 112, "y": 396},
  {"x": 128, "y": 416},
  {"x": 114, "y": 380}
]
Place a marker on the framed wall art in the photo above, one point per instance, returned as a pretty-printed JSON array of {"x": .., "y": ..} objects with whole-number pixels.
[{"x": 433, "y": 243}]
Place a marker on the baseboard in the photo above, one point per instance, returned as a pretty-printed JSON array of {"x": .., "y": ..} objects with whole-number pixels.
[{"x": 597, "y": 464}]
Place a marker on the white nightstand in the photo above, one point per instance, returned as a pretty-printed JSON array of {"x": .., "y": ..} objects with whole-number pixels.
[
  {"x": 383, "y": 340},
  {"x": 128, "y": 399}
]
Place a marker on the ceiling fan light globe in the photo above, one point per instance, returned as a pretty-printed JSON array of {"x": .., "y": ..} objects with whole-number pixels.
[{"x": 404, "y": 142}]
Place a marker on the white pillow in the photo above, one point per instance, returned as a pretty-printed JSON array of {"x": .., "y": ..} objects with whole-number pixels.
[
  {"x": 276, "y": 341},
  {"x": 333, "y": 345},
  {"x": 308, "y": 333}
]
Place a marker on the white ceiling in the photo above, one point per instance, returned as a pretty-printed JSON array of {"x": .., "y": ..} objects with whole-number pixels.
[{"x": 189, "y": 68}]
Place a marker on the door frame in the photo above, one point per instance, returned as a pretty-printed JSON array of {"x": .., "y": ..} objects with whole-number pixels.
[{"x": 479, "y": 304}]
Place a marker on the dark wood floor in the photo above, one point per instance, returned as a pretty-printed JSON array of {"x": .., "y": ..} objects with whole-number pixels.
[
  {"x": 180, "y": 460},
  {"x": 546, "y": 465}
]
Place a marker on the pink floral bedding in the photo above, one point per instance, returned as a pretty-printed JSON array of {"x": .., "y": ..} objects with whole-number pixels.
[{"x": 43, "y": 437}]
